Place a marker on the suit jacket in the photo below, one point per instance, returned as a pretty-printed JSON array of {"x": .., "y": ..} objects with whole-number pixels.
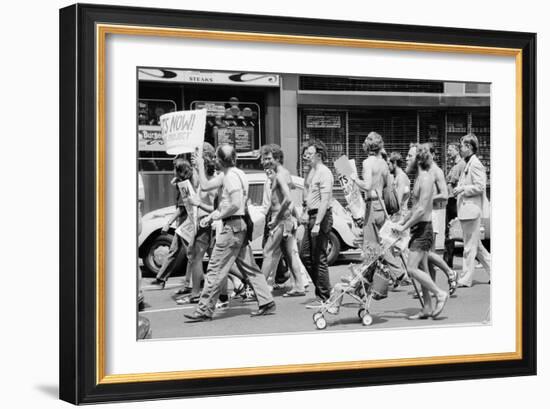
[{"x": 472, "y": 202}]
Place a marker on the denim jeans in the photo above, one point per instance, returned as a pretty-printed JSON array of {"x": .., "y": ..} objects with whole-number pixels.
[
  {"x": 231, "y": 247},
  {"x": 314, "y": 254}
]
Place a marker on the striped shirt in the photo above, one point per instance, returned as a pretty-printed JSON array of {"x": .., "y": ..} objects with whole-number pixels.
[{"x": 318, "y": 181}]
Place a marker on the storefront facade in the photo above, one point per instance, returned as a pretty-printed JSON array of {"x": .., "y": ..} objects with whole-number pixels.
[
  {"x": 242, "y": 109},
  {"x": 252, "y": 109},
  {"x": 342, "y": 111}
]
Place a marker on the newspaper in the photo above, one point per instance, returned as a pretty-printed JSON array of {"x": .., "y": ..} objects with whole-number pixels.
[
  {"x": 391, "y": 238},
  {"x": 345, "y": 169},
  {"x": 188, "y": 228}
]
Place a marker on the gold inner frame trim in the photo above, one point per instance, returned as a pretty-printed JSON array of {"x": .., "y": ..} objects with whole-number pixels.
[{"x": 101, "y": 33}]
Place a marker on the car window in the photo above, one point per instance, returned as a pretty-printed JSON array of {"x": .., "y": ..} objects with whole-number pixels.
[{"x": 256, "y": 193}]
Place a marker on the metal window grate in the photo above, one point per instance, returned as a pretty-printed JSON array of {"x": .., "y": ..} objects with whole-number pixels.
[{"x": 318, "y": 83}]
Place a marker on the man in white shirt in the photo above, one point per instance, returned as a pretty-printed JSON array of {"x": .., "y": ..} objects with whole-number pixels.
[
  {"x": 471, "y": 203},
  {"x": 318, "y": 219},
  {"x": 232, "y": 245}
]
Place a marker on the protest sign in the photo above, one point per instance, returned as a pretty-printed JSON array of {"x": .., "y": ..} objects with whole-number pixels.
[
  {"x": 183, "y": 131},
  {"x": 345, "y": 168}
]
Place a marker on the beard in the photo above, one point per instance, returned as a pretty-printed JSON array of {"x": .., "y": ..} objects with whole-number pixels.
[{"x": 411, "y": 167}]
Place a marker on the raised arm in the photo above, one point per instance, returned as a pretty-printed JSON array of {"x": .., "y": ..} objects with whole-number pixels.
[{"x": 205, "y": 183}]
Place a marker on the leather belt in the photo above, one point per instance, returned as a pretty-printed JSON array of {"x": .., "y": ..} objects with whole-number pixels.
[
  {"x": 235, "y": 217},
  {"x": 313, "y": 212}
]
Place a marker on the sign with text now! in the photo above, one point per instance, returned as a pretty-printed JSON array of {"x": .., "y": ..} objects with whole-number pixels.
[{"x": 183, "y": 131}]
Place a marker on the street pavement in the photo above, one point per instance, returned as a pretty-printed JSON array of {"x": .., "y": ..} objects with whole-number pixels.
[{"x": 468, "y": 306}]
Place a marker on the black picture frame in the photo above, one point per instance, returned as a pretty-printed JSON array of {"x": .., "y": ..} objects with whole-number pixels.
[{"x": 79, "y": 380}]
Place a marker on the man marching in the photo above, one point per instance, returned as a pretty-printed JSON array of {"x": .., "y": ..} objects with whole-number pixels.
[
  {"x": 471, "y": 200},
  {"x": 232, "y": 245},
  {"x": 419, "y": 220},
  {"x": 281, "y": 221},
  {"x": 318, "y": 219}
]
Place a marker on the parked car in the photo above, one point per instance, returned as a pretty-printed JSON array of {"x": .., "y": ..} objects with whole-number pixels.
[{"x": 154, "y": 245}]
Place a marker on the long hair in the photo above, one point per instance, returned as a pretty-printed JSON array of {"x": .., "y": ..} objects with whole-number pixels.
[
  {"x": 374, "y": 142},
  {"x": 183, "y": 168},
  {"x": 320, "y": 148},
  {"x": 423, "y": 156}
]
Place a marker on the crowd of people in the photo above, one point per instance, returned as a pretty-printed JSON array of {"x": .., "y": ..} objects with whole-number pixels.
[{"x": 225, "y": 227}]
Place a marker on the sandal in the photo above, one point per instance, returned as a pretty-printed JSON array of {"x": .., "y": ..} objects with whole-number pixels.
[
  {"x": 420, "y": 316},
  {"x": 453, "y": 283}
]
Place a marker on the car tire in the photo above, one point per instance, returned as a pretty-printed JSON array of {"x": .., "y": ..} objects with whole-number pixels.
[
  {"x": 334, "y": 248},
  {"x": 152, "y": 260}
]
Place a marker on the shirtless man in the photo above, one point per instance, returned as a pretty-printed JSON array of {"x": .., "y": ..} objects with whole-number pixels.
[
  {"x": 401, "y": 181},
  {"x": 438, "y": 221},
  {"x": 420, "y": 221},
  {"x": 375, "y": 176},
  {"x": 272, "y": 154},
  {"x": 282, "y": 230}
]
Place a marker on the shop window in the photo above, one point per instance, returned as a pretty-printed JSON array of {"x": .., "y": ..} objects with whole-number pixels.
[
  {"x": 233, "y": 122},
  {"x": 329, "y": 127},
  {"x": 151, "y": 154},
  {"x": 397, "y": 128},
  {"x": 431, "y": 125}
]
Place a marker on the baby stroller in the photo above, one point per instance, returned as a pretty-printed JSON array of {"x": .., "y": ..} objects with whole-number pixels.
[{"x": 369, "y": 280}]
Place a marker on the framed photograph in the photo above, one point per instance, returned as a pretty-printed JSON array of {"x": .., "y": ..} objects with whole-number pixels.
[{"x": 258, "y": 203}]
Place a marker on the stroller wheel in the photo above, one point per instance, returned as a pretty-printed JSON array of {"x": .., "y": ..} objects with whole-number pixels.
[
  {"x": 361, "y": 313},
  {"x": 321, "y": 323},
  {"x": 367, "y": 320},
  {"x": 317, "y": 315}
]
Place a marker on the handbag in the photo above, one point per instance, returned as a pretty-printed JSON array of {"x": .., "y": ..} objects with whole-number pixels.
[{"x": 391, "y": 202}]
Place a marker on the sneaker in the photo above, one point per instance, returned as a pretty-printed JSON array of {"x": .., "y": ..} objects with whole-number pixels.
[
  {"x": 222, "y": 305},
  {"x": 160, "y": 284},
  {"x": 183, "y": 291}
]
